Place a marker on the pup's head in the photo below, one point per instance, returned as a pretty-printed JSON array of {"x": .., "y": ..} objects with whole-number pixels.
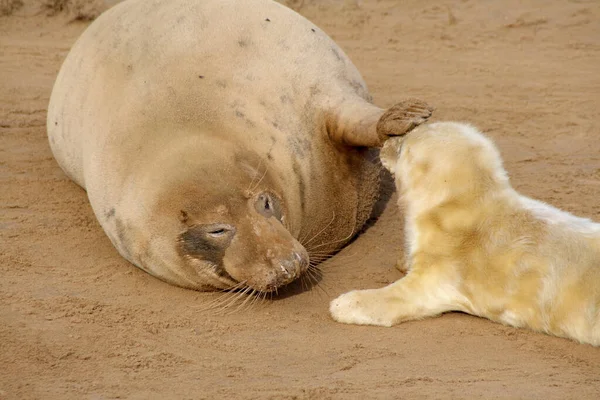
[{"x": 443, "y": 161}]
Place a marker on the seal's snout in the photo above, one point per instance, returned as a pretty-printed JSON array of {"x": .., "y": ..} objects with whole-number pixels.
[
  {"x": 293, "y": 267},
  {"x": 286, "y": 270}
]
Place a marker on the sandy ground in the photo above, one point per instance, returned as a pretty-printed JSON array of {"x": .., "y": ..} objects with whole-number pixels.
[{"x": 79, "y": 322}]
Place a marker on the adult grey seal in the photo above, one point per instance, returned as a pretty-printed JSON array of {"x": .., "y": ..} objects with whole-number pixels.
[{"x": 214, "y": 136}]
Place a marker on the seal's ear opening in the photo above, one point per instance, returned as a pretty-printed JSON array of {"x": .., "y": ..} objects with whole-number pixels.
[
  {"x": 390, "y": 153},
  {"x": 183, "y": 217}
]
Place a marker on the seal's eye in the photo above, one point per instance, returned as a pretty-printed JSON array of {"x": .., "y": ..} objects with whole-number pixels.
[
  {"x": 268, "y": 206},
  {"x": 207, "y": 242},
  {"x": 217, "y": 232}
]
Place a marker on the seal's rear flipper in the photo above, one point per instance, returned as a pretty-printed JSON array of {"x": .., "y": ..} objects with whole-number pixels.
[{"x": 363, "y": 124}]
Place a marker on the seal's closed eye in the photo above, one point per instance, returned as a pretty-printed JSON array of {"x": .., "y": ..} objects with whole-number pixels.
[
  {"x": 207, "y": 238},
  {"x": 217, "y": 232}
]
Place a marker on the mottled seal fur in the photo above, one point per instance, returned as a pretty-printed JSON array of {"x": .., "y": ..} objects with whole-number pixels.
[
  {"x": 214, "y": 136},
  {"x": 476, "y": 245}
]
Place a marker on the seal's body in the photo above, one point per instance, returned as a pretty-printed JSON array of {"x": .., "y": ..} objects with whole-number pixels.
[
  {"x": 476, "y": 245},
  {"x": 212, "y": 135}
]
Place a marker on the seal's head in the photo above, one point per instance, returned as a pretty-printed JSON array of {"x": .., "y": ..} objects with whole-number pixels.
[
  {"x": 221, "y": 221},
  {"x": 241, "y": 240}
]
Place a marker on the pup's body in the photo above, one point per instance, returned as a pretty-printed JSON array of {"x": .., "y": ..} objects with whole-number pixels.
[{"x": 476, "y": 245}]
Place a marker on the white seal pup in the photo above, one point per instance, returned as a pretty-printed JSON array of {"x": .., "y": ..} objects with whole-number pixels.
[
  {"x": 214, "y": 136},
  {"x": 473, "y": 244}
]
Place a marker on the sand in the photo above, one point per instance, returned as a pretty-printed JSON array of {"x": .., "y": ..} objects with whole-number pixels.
[{"x": 77, "y": 321}]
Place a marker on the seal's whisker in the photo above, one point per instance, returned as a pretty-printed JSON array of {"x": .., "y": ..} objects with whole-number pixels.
[
  {"x": 260, "y": 298},
  {"x": 211, "y": 304},
  {"x": 235, "y": 298},
  {"x": 318, "y": 261},
  {"x": 302, "y": 238},
  {"x": 311, "y": 276},
  {"x": 230, "y": 297},
  {"x": 249, "y": 188},
  {"x": 252, "y": 189},
  {"x": 255, "y": 295},
  {"x": 255, "y": 299},
  {"x": 320, "y": 257},
  {"x": 322, "y": 292},
  {"x": 224, "y": 294},
  {"x": 225, "y": 302},
  {"x": 311, "y": 285},
  {"x": 304, "y": 281},
  {"x": 217, "y": 304},
  {"x": 315, "y": 275},
  {"x": 247, "y": 303},
  {"x": 288, "y": 224},
  {"x": 314, "y": 266},
  {"x": 320, "y": 252},
  {"x": 303, "y": 284},
  {"x": 310, "y": 268},
  {"x": 237, "y": 285},
  {"x": 321, "y": 231},
  {"x": 319, "y": 274},
  {"x": 332, "y": 242},
  {"x": 340, "y": 260}
]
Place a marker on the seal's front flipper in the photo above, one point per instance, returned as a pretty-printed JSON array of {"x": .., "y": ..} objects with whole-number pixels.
[
  {"x": 363, "y": 124},
  {"x": 403, "y": 117}
]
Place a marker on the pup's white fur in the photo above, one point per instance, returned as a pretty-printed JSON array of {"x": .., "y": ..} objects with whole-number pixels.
[{"x": 476, "y": 245}]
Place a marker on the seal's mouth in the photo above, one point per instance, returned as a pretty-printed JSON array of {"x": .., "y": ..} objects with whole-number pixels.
[{"x": 282, "y": 278}]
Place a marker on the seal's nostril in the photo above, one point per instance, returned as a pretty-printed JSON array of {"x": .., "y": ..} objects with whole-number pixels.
[
  {"x": 284, "y": 270},
  {"x": 301, "y": 261},
  {"x": 290, "y": 267}
]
